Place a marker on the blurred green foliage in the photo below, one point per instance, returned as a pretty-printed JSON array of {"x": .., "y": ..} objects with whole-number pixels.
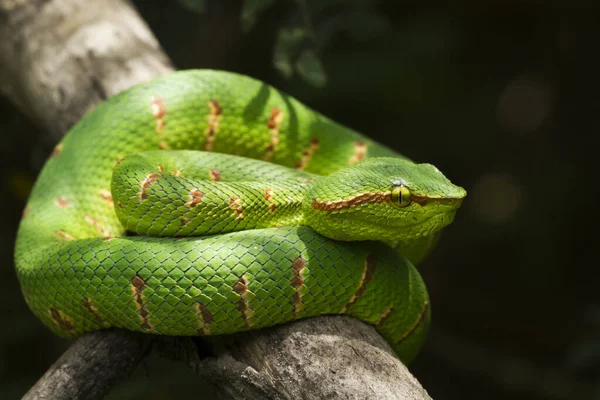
[{"x": 501, "y": 96}]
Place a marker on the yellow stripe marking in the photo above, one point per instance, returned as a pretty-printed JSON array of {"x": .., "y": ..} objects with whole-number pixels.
[
  {"x": 159, "y": 111},
  {"x": 57, "y": 150},
  {"x": 61, "y": 320},
  {"x": 137, "y": 288},
  {"x": 241, "y": 288},
  {"x": 367, "y": 275},
  {"x": 63, "y": 235},
  {"x": 308, "y": 153},
  {"x": 269, "y": 198},
  {"x": 298, "y": 267},
  {"x": 418, "y": 322},
  {"x": 96, "y": 225},
  {"x": 360, "y": 151},
  {"x": 204, "y": 319},
  {"x": 107, "y": 196},
  {"x": 235, "y": 204},
  {"x": 61, "y": 202},
  {"x": 195, "y": 198},
  {"x": 145, "y": 184},
  {"x": 273, "y": 124},
  {"x": 87, "y": 303},
  {"x": 384, "y": 316},
  {"x": 214, "y": 120},
  {"x": 214, "y": 175},
  {"x": 351, "y": 202}
]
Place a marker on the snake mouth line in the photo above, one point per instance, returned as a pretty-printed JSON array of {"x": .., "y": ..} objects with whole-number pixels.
[{"x": 433, "y": 224}]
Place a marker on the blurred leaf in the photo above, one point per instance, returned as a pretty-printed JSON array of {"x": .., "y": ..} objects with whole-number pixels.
[
  {"x": 197, "y": 6},
  {"x": 251, "y": 12},
  {"x": 289, "y": 42},
  {"x": 311, "y": 69}
]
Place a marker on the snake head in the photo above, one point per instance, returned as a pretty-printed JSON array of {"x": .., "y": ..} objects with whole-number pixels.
[{"x": 382, "y": 199}]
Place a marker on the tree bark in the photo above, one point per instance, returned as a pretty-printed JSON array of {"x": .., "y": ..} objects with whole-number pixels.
[
  {"x": 91, "y": 366},
  {"x": 59, "y": 59}
]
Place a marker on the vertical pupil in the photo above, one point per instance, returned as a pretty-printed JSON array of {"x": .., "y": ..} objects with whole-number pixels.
[{"x": 398, "y": 194}]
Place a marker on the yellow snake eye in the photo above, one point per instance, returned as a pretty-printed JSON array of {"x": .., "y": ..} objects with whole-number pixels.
[{"x": 400, "y": 196}]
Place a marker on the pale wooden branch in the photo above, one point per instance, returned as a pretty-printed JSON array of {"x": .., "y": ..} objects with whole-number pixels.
[
  {"x": 91, "y": 366},
  {"x": 333, "y": 357},
  {"x": 59, "y": 59}
]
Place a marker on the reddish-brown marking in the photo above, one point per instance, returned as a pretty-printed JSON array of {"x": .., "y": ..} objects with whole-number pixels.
[
  {"x": 235, "y": 204},
  {"x": 61, "y": 202},
  {"x": 63, "y": 235},
  {"x": 214, "y": 175},
  {"x": 204, "y": 319},
  {"x": 159, "y": 111},
  {"x": 269, "y": 197},
  {"x": 107, "y": 196},
  {"x": 108, "y": 238},
  {"x": 145, "y": 184},
  {"x": 367, "y": 275},
  {"x": 176, "y": 172},
  {"x": 418, "y": 322},
  {"x": 160, "y": 168},
  {"x": 87, "y": 303},
  {"x": 297, "y": 283},
  {"x": 384, "y": 316},
  {"x": 163, "y": 145},
  {"x": 61, "y": 320},
  {"x": 57, "y": 150},
  {"x": 119, "y": 160},
  {"x": 422, "y": 200},
  {"x": 273, "y": 124},
  {"x": 308, "y": 153},
  {"x": 195, "y": 198},
  {"x": 214, "y": 119},
  {"x": 96, "y": 225},
  {"x": 137, "y": 288},
  {"x": 355, "y": 201},
  {"x": 26, "y": 211},
  {"x": 241, "y": 288},
  {"x": 360, "y": 151}
]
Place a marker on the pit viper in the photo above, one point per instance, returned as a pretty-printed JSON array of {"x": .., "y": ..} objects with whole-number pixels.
[{"x": 206, "y": 202}]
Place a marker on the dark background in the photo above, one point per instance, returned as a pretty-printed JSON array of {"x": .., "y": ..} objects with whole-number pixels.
[{"x": 501, "y": 95}]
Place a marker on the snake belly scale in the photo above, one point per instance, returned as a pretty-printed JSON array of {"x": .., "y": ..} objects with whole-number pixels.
[{"x": 295, "y": 221}]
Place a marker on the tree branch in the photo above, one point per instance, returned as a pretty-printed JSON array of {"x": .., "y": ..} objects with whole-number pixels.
[
  {"x": 91, "y": 366},
  {"x": 60, "y": 58}
]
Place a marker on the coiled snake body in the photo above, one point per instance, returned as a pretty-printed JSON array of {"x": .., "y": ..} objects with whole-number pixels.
[{"x": 226, "y": 243}]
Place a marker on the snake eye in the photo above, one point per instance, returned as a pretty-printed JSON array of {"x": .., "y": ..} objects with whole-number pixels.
[{"x": 400, "y": 196}]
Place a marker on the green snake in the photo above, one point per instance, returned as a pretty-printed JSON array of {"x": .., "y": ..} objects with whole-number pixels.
[{"x": 139, "y": 220}]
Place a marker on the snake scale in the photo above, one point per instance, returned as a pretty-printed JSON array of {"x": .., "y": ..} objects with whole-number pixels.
[{"x": 139, "y": 219}]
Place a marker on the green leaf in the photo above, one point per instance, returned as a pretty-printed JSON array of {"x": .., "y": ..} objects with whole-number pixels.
[
  {"x": 197, "y": 6},
  {"x": 289, "y": 42},
  {"x": 251, "y": 12},
  {"x": 311, "y": 69}
]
